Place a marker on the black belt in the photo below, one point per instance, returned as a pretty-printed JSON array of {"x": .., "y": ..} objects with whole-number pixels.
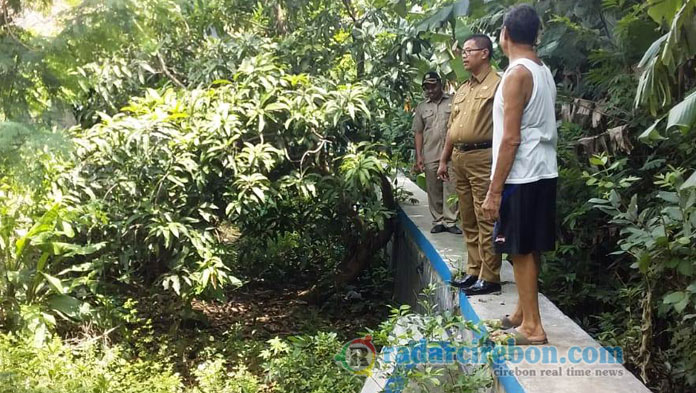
[{"x": 473, "y": 146}]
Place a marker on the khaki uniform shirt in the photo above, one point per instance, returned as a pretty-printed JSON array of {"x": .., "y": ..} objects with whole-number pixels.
[
  {"x": 431, "y": 119},
  {"x": 472, "y": 110}
]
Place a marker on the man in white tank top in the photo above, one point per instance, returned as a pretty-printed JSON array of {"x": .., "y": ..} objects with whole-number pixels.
[{"x": 522, "y": 194}]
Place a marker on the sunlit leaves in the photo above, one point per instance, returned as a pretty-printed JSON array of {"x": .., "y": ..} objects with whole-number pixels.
[
  {"x": 663, "y": 11},
  {"x": 346, "y": 102},
  {"x": 173, "y": 156},
  {"x": 250, "y": 143},
  {"x": 251, "y": 190},
  {"x": 360, "y": 169}
]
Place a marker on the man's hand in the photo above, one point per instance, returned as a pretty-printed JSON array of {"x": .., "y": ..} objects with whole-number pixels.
[
  {"x": 419, "y": 166},
  {"x": 491, "y": 206},
  {"x": 442, "y": 172}
]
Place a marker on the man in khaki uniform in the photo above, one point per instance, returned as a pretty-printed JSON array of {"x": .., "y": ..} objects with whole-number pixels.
[
  {"x": 468, "y": 142},
  {"x": 430, "y": 129}
]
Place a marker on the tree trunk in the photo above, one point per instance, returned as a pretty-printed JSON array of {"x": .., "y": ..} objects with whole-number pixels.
[
  {"x": 360, "y": 57},
  {"x": 360, "y": 253},
  {"x": 281, "y": 21}
]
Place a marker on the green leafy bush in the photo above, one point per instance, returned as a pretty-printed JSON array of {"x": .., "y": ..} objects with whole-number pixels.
[
  {"x": 40, "y": 248},
  {"x": 305, "y": 364},
  {"x": 92, "y": 366},
  {"x": 88, "y": 367},
  {"x": 212, "y": 378}
]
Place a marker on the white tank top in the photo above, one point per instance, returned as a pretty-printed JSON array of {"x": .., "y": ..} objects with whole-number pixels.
[{"x": 536, "y": 155}]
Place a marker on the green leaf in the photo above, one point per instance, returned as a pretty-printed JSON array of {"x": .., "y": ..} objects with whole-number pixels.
[
  {"x": 205, "y": 276},
  {"x": 692, "y": 287},
  {"x": 167, "y": 238},
  {"x": 65, "y": 305},
  {"x": 667, "y": 196},
  {"x": 68, "y": 229},
  {"x": 235, "y": 281},
  {"x": 674, "y": 297},
  {"x": 85, "y": 250},
  {"x": 259, "y": 193},
  {"x": 663, "y": 10},
  {"x": 462, "y": 31},
  {"x": 646, "y": 83},
  {"x": 220, "y": 82},
  {"x": 651, "y": 134},
  {"x": 690, "y": 182},
  {"x": 599, "y": 160},
  {"x": 458, "y": 67},
  {"x": 176, "y": 284},
  {"x": 460, "y": 8},
  {"x": 55, "y": 283},
  {"x": 686, "y": 267},
  {"x": 644, "y": 263},
  {"x": 614, "y": 198},
  {"x": 684, "y": 240},
  {"x": 435, "y": 20},
  {"x": 683, "y": 115},
  {"x": 45, "y": 224},
  {"x": 400, "y": 8},
  {"x": 679, "y": 307}
]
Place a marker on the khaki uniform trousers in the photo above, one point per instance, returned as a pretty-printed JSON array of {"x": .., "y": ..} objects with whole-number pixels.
[
  {"x": 438, "y": 192},
  {"x": 473, "y": 171}
]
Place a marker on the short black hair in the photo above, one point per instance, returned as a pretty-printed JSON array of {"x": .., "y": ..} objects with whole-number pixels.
[
  {"x": 522, "y": 23},
  {"x": 482, "y": 41}
]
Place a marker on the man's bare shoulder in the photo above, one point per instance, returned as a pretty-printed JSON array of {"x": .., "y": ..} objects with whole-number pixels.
[
  {"x": 517, "y": 79},
  {"x": 519, "y": 72}
]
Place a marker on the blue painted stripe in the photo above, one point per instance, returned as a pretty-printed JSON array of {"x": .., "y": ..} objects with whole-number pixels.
[
  {"x": 424, "y": 244},
  {"x": 467, "y": 309},
  {"x": 509, "y": 382}
]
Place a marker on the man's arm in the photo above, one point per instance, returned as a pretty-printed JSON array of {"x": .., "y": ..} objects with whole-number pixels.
[
  {"x": 517, "y": 90},
  {"x": 418, "y": 127},
  {"x": 446, "y": 155}
]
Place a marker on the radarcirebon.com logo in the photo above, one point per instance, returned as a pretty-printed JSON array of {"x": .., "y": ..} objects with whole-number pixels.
[{"x": 358, "y": 356}]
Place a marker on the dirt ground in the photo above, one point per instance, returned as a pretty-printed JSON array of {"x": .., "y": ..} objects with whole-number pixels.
[{"x": 260, "y": 312}]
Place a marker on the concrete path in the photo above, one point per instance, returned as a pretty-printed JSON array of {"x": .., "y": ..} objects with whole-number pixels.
[{"x": 563, "y": 333}]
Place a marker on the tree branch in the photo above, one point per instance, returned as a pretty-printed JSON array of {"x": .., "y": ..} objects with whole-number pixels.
[
  {"x": 169, "y": 74},
  {"x": 351, "y": 12}
]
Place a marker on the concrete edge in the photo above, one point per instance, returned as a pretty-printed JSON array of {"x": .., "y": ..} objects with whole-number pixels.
[{"x": 508, "y": 381}]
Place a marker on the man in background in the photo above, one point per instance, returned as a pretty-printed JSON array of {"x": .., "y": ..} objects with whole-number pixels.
[
  {"x": 430, "y": 129},
  {"x": 469, "y": 141}
]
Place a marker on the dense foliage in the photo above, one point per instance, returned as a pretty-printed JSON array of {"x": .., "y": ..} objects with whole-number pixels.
[
  {"x": 627, "y": 248},
  {"x": 177, "y": 150}
]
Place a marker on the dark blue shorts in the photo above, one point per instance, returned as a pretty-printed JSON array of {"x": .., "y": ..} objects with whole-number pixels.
[{"x": 527, "y": 221}]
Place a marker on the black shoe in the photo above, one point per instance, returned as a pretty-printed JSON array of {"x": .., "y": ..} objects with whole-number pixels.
[
  {"x": 465, "y": 281},
  {"x": 482, "y": 288},
  {"x": 438, "y": 228},
  {"x": 455, "y": 230}
]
